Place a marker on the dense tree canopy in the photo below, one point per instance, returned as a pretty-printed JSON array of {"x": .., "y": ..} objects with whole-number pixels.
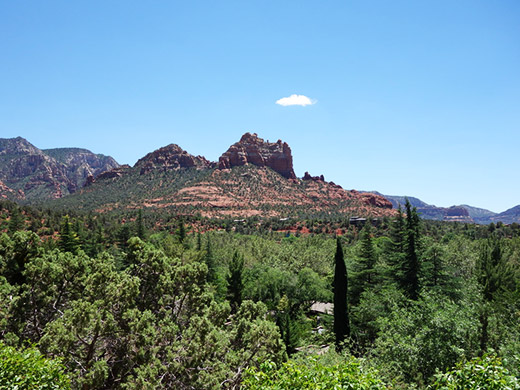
[{"x": 118, "y": 303}]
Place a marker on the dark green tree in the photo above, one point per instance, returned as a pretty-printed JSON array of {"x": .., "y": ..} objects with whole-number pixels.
[
  {"x": 139, "y": 229},
  {"x": 199, "y": 241},
  {"x": 495, "y": 277},
  {"x": 235, "y": 281},
  {"x": 16, "y": 222},
  {"x": 68, "y": 240},
  {"x": 395, "y": 248},
  {"x": 209, "y": 259},
  {"x": 410, "y": 267},
  {"x": 181, "y": 231},
  {"x": 364, "y": 276},
  {"x": 341, "y": 319},
  {"x": 123, "y": 235}
]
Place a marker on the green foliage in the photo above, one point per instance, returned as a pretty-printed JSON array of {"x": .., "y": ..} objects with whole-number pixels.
[
  {"x": 140, "y": 229},
  {"x": 426, "y": 335},
  {"x": 69, "y": 240},
  {"x": 486, "y": 372},
  {"x": 16, "y": 222},
  {"x": 28, "y": 369},
  {"x": 327, "y": 372},
  {"x": 411, "y": 267},
  {"x": 143, "y": 314},
  {"x": 235, "y": 282},
  {"x": 364, "y": 275},
  {"x": 341, "y": 318}
]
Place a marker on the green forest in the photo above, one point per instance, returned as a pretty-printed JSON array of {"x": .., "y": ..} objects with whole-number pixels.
[{"x": 144, "y": 301}]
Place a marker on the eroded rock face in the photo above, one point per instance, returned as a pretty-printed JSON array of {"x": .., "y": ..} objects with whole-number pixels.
[
  {"x": 51, "y": 173},
  {"x": 457, "y": 214},
  {"x": 9, "y": 193},
  {"x": 254, "y": 150},
  {"x": 374, "y": 200},
  {"x": 307, "y": 176},
  {"x": 171, "y": 157},
  {"x": 81, "y": 163},
  {"x": 113, "y": 173}
]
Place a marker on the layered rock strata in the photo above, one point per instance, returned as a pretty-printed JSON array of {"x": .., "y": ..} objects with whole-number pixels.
[{"x": 252, "y": 149}]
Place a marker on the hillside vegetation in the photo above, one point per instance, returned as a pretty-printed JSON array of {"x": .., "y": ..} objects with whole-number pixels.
[{"x": 196, "y": 304}]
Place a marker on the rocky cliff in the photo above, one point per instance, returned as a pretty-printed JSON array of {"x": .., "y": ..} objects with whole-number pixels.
[
  {"x": 81, "y": 163},
  {"x": 252, "y": 149},
  {"x": 171, "y": 157},
  {"x": 37, "y": 174}
]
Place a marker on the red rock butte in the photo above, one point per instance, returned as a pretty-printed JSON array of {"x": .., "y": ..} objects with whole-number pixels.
[{"x": 252, "y": 149}]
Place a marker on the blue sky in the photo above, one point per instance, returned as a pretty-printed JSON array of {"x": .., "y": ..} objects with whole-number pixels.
[{"x": 418, "y": 98}]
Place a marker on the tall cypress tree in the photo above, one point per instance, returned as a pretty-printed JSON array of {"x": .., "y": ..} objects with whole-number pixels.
[
  {"x": 140, "y": 231},
  {"x": 181, "y": 231},
  {"x": 235, "y": 282},
  {"x": 210, "y": 262},
  {"x": 411, "y": 267},
  {"x": 341, "y": 320}
]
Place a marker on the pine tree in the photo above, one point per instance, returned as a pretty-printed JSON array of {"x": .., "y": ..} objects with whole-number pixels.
[
  {"x": 123, "y": 235},
  {"x": 235, "y": 282},
  {"x": 364, "y": 276},
  {"x": 395, "y": 251},
  {"x": 210, "y": 262},
  {"x": 341, "y": 319},
  {"x": 181, "y": 231},
  {"x": 16, "y": 222},
  {"x": 199, "y": 241},
  {"x": 68, "y": 241},
  {"x": 410, "y": 268},
  {"x": 140, "y": 231},
  {"x": 495, "y": 276}
]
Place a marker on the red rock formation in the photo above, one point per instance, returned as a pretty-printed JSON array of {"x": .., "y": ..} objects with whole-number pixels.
[
  {"x": 254, "y": 150},
  {"x": 116, "y": 172},
  {"x": 374, "y": 200},
  {"x": 9, "y": 193},
  {"x": 51, "y": 173},
  {"x": 307, "y": 176},
  {"x": 457, "y": 214},
  {"x": 171, "y": 157}
]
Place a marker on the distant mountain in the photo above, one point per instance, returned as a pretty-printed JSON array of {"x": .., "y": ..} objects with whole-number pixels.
[
  {"x": 462, "y": 213},
  {"x": 29, "y": 173},
  {"x": 401, "y": 200},
  {"x": 253, "y": 177},
  {"x": 481, "y": 216},
  {"x": 509, "y": 216},
  {"x": 81, "y": 163}
]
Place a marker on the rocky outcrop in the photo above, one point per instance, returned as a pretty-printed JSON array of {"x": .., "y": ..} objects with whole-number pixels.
[
  {"x": 40, "y": 174},
  {"x": 81, "y": 163},
  {"x": 307, "y": 176},
  {"x": 375, "y": 200},
  {"x": 9, "y": 193},
  {"x": 457, "y": 214},
  {"x": 113, "y": 173},
  {"x": 254, "y": 150},
  {"x": 171, "y": 157},
  {"x": 509, "y": 216}
]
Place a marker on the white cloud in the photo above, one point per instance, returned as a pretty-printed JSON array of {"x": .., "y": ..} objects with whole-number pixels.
[{"x": 296, "y": 100}]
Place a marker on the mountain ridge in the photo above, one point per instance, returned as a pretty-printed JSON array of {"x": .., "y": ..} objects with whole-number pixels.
[
  {"x": 29, "y": 173},
  {"x": 253, "y": 177},
  {"x": 456, "y": 213}
]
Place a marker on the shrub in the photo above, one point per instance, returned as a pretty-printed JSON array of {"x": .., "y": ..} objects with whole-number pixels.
[{"x": 29, "y": 369}]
